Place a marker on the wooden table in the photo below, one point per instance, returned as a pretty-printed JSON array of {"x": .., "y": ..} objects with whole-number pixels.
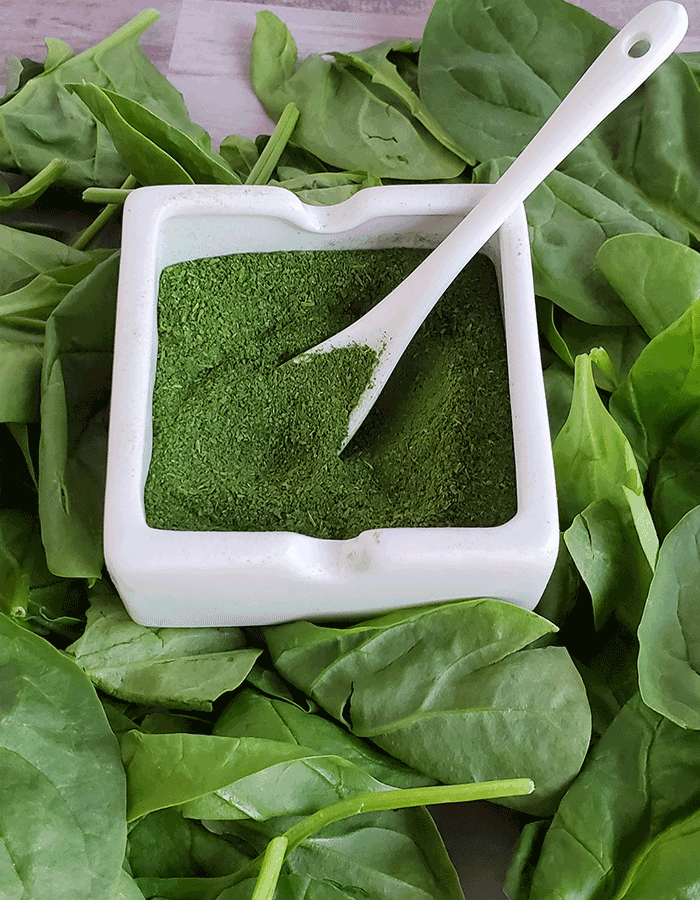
[{"x": 203, "y": 48}]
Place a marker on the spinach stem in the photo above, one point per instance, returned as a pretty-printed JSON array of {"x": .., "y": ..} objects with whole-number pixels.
[
  {"x": 95, "y": 227},
  {"x": 35, "y": 186},
  {"x": 374, "y": 802},
  {"x": 404, "y": 799},
  {"x": 105, "y": 195},
  {"x": 265, "y": 166},
  {"x": 133, "y": 28},
  {"x": 272, "y": 860}
]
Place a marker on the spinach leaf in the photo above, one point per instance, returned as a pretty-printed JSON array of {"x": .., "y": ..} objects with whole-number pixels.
[
  {"x": 559, "y": 388},
  {"x": 676, "y": 477},
  {"x": 34, "y": 188},
  {"x": 569, "y": 337},
  {"x": 492, "y": 73},
  {"x": 154, "y": 151},
  {"x": 346, "y": 120},
  {"x": 32, "y": 131},
  {"x": 604, "y": 548},
  {"x": 662, "y": 389},
  {"x": 29, "y": 593},
  {"x": 594, "y": 463},
  {"x": 240, "y": 153},
  {"x": 453, "y": 676},
  {"x": 76, "y": 378},
  {"x": 20, "y": 375},
  {"x": 23, "y": 313},
  {"x": 658, "y": 279},
  {"x": 377, "y": 62},
  {"x": 179, "y": 668},
  {"x": 621, "y": 345},
  {"x": 640, "y": 781},
  {"x": 392, "y": 855},
  {"x": 327, "y": 188},
  {"x": 250, "y": 714},
  {"x": 164, "y": 844},
  {"x": 217, "y": 777},
  {"x": 669, "y": 638},
  {"x": 61, "y": 781},
  {"x": 24, "y": 255},
  {"x": 568, "y": 222}
]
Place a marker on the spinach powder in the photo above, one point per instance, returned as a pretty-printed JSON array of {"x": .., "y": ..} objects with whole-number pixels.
[{"x": 244, "y": 443}]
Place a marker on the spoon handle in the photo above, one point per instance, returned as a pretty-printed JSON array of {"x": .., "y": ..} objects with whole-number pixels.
[{"x": 610, "y": 79}]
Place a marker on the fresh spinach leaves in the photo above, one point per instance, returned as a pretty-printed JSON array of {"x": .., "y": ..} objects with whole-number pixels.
[
  {"x": 346, "y": 119},
  {"x": 425, "y": 685},
  {"x": 62, "y": 785},
  {"x": 221, "y": 755},
  {"x": 669, "y": 633}
]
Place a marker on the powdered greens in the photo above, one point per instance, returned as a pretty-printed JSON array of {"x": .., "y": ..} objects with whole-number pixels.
[{"x": 243, "y": 443}]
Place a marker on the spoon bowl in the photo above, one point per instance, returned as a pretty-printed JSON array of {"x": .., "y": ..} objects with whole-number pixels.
[{"x": 628, "y": 60}]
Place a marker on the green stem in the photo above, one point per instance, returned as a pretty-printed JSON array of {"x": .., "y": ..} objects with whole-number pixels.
[
  {"x": 383, "y": 800},
  {"x": 272, "y": 860},
  {"x": 265, "y": 166},
  {"x": 95, "y": 227},
  {"x": 105, "y": 195},
  {"x": 403, "y": 799},
  {"x": 34, "y": 188},
  {"x": 133, "y": 28}
]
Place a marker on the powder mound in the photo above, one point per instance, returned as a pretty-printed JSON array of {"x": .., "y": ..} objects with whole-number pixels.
[{"x": 243, "y": 442}]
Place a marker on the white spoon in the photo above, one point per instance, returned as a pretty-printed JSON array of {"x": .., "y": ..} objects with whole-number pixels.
[{"x": 389, "y": 326}]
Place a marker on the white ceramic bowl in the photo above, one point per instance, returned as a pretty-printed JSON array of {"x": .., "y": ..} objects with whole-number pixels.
[{"x": 185, "y": 578}]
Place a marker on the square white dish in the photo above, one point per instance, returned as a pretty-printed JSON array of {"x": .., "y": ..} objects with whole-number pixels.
[{"x": 187, "y": 578}]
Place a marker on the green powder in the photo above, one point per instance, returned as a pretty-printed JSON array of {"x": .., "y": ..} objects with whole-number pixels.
[{"x": 242, "y": 442}]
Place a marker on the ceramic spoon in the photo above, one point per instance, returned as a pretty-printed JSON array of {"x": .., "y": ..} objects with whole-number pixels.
[{"x": 628, "y": 60}]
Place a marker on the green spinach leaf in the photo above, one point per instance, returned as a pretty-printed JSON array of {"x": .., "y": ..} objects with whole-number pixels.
[
  {"x": 492, "y": 73},
  {"x": 24, "y": 256},
  {"x": 657, "y": 278},
  {"x": 250, "y": 714},
  {"x": 346, "y": 120},
  {"x": 34, "y": 188},
  {"x": 378, "y": 63},
  {"x": 327, "y": 188},
  {"x": 568, "y": 221},
  {"x": 164, "y": 844},
  {"x": 76, "y": 378},
  {"x": 218, "y": 777},
  {"x": 155, "y": 151},
  {"x": 601, "y": 497},
  {"x": 32, "y": 131},
  {"x": 179, "y": 668},
  {"x": 669, "y": 633},
  {"x": 62, "y": 786},
  {"x": 675, "y": 479},
  {"x": 393, "y": 855},
  {"x": 662, "y": 389},
  {"x": 639, "y": 783},
  {"x": 454, "y": 676}
]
